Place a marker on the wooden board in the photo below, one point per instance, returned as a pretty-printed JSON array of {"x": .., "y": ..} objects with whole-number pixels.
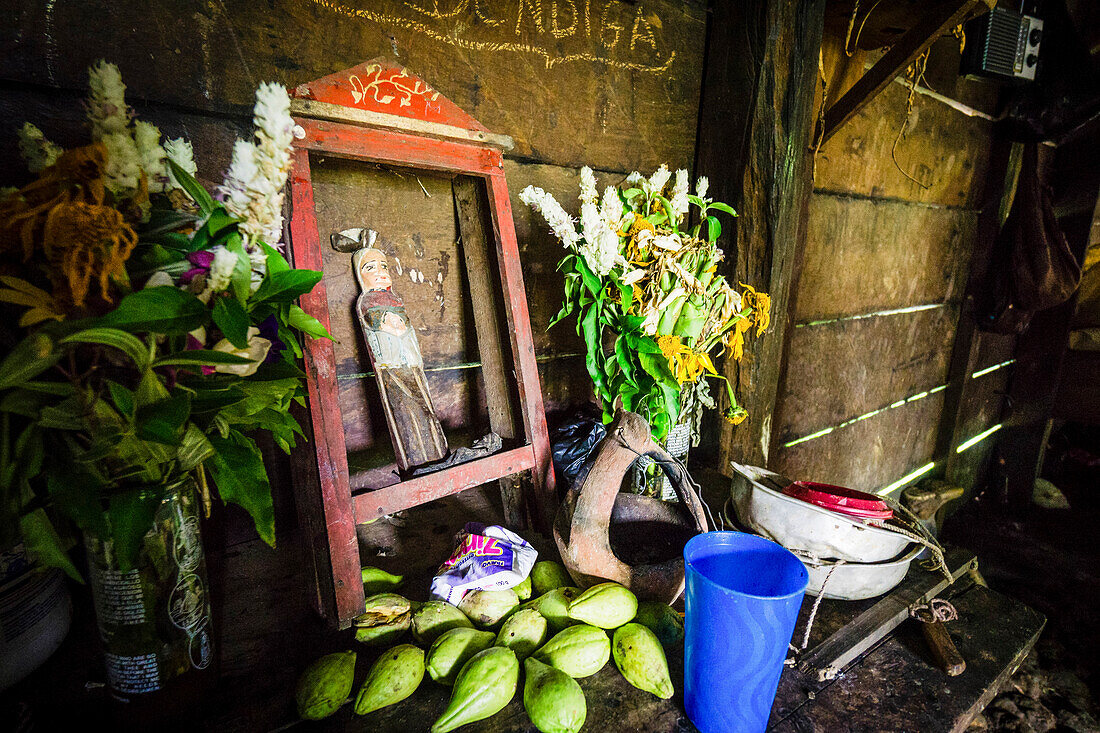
[
  {"x": 898, "y": 688},
  {"x": 946, "y": 151},
  {"x": 869, "y": 454},
  {"x": 630, "y": 72},
  {"x": 845, "y": 369},
  {"x": 868, "y": 255}
]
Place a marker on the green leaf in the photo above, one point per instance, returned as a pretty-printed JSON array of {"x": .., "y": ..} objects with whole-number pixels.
[
  {"x": 666, "y": 207},
  {"x": 307, "y": 324},
  {"x": 275, "y": 260},
  {"x": 24, "y": 402},
  {"x": 122, "y": 397},
  {"x": 590, "y": 280},
  {"x": 65, "y": 415},
  {"x": 194, "y": 449},
  {"x": 230, "y": 316},
  {"x": 149, "y": 390},
  {"x": 162, "y": 309},
  {"x": 241, "y": 281},
  {"x": 238, "y": 470},
  {"x": 195, "y": 357},
  {"x": 131, "y": 515},
  {"x": 218, "y": 223},
  {"x": 726, "y": 208},
  {"x": 714, "y": 228},
  {"x": 197, "y": 193},
  {"x": 75, "y": 492},
  {"x": 284, "y": 287},
  {"x": 30, "y": 357},
  {"x": 163, "y": 221},
  {"x": 44, "y": 545},
  {"x": 161, "y": 421},
  {"x": 127, "y": 343}
]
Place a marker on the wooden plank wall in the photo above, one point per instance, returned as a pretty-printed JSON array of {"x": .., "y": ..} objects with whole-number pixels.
[
  {"x": 882, "y": 279},
  {"x": 613, "y": 84}
]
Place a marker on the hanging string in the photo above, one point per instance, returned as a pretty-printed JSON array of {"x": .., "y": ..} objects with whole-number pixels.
[
  {"x": 851, "y": 23},
  {"x": 915, "y": 75}
]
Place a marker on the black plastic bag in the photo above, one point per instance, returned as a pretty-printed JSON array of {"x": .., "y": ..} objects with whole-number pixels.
[{"x": 572, "y": 444}]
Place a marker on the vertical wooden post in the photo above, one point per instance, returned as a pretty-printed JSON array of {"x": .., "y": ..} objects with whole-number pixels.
[
  {"x": 755, "y": 123},
  {"x": 964, "y": 355},
  {"x": 474, "y": 227}
]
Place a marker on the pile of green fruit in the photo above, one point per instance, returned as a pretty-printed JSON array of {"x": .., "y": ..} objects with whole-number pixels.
[{"x": 558, "y": 632}]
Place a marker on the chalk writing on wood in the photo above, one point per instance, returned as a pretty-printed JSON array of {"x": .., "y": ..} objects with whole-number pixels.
[{"x": 622, "y": 36}]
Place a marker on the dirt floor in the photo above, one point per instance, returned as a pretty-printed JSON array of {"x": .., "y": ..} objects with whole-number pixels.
[{"x": 1048, "y": 558}]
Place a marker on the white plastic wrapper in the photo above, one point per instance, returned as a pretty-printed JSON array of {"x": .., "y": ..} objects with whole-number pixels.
[{"x": 487, "y": 558}]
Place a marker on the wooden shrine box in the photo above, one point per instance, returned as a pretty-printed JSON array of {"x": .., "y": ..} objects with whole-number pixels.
[{"x": 376, "y": 147}]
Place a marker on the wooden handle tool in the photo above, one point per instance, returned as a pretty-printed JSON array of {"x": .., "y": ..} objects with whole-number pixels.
[{"x": 939, "y": 641}]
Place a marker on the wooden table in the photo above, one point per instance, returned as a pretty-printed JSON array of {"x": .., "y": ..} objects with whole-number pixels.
[{"x": 893, "y": 686}]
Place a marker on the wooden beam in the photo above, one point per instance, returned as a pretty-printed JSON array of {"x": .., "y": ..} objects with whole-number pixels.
[
  {"x": 374, "y": 504},
  {"x": 937, "y": 21},
  {"x": 756, "y": 117},
  {"x": 471, "y": 209},
  {"x": 1004, "y": 166}
]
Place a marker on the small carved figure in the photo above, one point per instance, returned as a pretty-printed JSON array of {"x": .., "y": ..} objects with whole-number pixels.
[{"x": 398, "y": 366}]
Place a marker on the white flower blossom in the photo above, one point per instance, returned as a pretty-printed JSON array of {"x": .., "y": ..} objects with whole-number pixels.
[
  {"x": 611, "y": 208},
  {"x": 38, "y": 152},
  {"x": 253, "y": 187},
  {"x": 656, "y": 182},
  {"x": 256, "y": 352},
  {"x": 602, "y": 252},
  {"x": 735, "y": 299},
  {"x": 635, "y": 180},
  {"x": 589, "y": 193},
  {"x": 123, "y": 171},
  {"x": 159, "y": 279},
  {"x": 221, "y": 269},
  {"x": 701, "y": 187},
  {"x": 679, "y": 200},
  {"x": 180, "y": 152},
  {"x": 561, "y": 223},
  {"x": 151, "y": 154},
  {"x": 107, "y": 110}
]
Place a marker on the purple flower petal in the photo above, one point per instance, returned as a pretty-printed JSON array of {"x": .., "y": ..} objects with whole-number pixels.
[{"x": 203, "y": 258}]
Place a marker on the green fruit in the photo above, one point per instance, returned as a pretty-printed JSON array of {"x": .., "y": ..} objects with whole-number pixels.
[
  {"x": 485, "y": 684},
  {"x": 324, "y": 685},
  {"x": 433, "y": 618},
  {"x": 487, "y": 608},
  {"x": 607, "y": 605},
  {"x": 385, "y": 618},
  {"x": 554, "y": 606},
  {"x": 553, "y": 700},
  {"x": 453, "y": 649},
  {"x": 523, "y": 590},
  {"x": 640, "y": 658},
  {"x": 393, "y": 677},
  {"x": 661, "y": 620},
  {"x": 579, "y": 651},
  {"x": 523, "y": 632},
  {"x": 376, "y": 580},
  {"x": 548, "y": 575}
]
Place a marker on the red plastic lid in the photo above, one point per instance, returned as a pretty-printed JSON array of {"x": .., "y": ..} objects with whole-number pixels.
[{"x": 841, "y": 500}]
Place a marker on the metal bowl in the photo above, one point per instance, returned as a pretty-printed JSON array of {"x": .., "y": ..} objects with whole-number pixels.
[
  {"x": 856, "y": 581},
  {"x": 799, "y": 525}
]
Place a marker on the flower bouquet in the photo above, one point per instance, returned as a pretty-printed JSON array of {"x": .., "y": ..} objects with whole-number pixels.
[
  {"x": 643, "y": 286},
  {"x": 154, "y": 328}
]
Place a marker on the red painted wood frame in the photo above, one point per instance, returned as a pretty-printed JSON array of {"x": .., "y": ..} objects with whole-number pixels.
[{"x": 343, "y": 509}]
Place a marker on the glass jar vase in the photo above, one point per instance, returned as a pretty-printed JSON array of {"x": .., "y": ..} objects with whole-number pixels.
[{"x": 154, "y": 618}]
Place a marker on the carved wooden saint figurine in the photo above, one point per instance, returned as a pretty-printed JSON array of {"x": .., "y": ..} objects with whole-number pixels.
[{"x": 391, "y": 340}]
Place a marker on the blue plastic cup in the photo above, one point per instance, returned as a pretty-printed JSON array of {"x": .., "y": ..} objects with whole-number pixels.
[{"x": 742, "y": 601}]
